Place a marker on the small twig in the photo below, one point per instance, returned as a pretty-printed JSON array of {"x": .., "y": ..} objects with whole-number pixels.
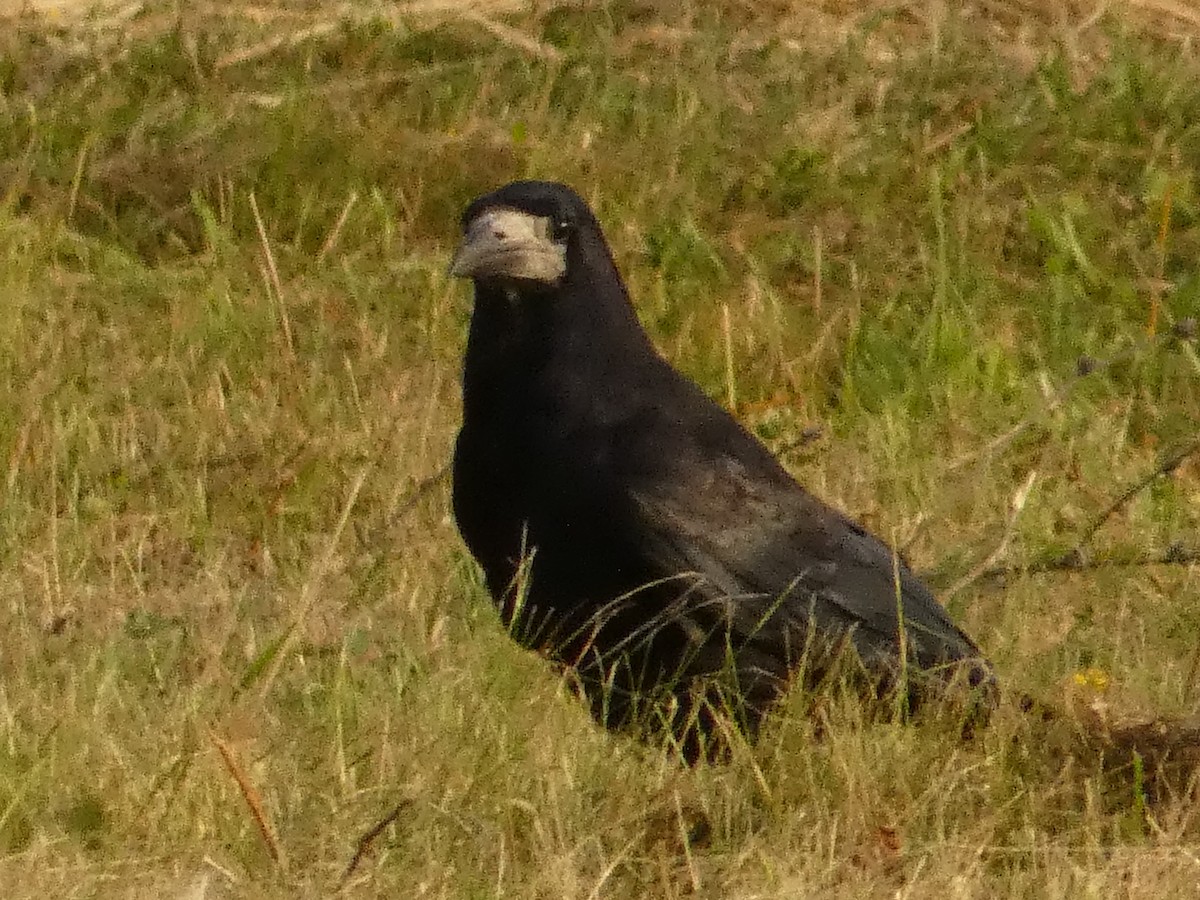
[
  {"x": 685, "y": 841},
  {"x": 1189, "y": 683},
  {"x": 506, "y": 34},
  {"x": 1165, "y": 467},
  {"x": 418, "y": 492},
  {"x": 730, "y": 380},
  {"x": 1087, "y": 366},
  {"x": 817, "y": 273},
  {"x": 1182, "y": 331},
  {"x": 406, "y": 503},
  {"x": 77, "y": 178},
  {"x": 1175, "y": 555},
  {"x": 252, "y": 798},
  {"x": 1010, "y": 527},
  {"x": 269, "y": 46},
  {"x": 616, "y": 863},
  {"x": 1156, "y": 289},
  {"x": 1076, "y": 559},
  {"x": 336, "y": 231},
  {"x": 309, "y": 592},
  {"x": 368, "y": 838},
  {"x": 284, "y": 320},
  {"x": 810, "y": 434},
  {"x": 946, "y": 138}
]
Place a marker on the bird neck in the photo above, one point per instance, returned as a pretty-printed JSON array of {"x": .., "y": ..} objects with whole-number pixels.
[{"x": 583, "y": 331}]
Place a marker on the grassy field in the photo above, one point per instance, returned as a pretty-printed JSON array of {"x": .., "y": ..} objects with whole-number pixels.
[{"x": 240, "y": 634}]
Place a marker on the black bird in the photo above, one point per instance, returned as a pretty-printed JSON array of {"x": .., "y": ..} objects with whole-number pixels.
[{"x": 629, "y": 527}]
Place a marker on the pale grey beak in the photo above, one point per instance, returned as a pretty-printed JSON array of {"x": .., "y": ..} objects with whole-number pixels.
[{"x": 507, "y": 244}]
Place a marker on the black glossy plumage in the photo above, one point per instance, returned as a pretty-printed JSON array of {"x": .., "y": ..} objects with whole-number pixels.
[{"x": 669, "y": 554}]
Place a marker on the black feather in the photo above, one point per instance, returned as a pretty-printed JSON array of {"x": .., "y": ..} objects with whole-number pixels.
[{"x": 633, "y": 530}]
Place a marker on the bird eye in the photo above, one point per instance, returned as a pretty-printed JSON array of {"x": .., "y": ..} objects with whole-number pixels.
[{"x": 561, "y": 229}]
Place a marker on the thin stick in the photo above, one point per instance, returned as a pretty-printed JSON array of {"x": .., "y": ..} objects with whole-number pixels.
[
  {"x": 1189, "y": 683},
  {"x": 252, "y": 798},
  {"x": 817, "y": 266},
  {"x": 269, "y": 46},
  {"x": 1076, "y": 558},
  {"x": 988, "y": 570},
  {"x": 368, "y": 838},
  {"x": 418, "y": 492},
  {"x": 23, "y": 171},
  {"x": 1175, "y": 555},
  {"x": 1055, "y": 398},
  {"x": 1165, "y": 467},
  {"x": 336, "y": 231},
  {"x": 506, "y": 34},
  {"x": 988, "y": 565},
  {"x": 685, "y": 840},
  {"x": 275, "y": 283},
  {"x": 730, "y": 384},
  {"x": 597, "y": 890},
  {"x": 1156, "y": 290},
  {"x": 309, "y": 593},
  {"x": 77, "y": 178}
]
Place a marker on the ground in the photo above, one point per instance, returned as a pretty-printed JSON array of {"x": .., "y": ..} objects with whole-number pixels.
[{"x": 941, "y": 257}]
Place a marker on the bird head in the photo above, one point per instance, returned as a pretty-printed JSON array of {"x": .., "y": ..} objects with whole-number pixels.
[{"x": 521, "y": 234}]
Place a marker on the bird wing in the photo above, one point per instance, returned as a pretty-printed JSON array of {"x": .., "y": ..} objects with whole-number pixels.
[{"x": 778, "y": 555}]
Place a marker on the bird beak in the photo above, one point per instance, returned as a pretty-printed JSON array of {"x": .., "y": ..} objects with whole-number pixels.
[{"x": 507, "y": 244}]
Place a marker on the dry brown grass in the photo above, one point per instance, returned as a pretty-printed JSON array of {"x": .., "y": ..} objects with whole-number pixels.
[
  {"x": 1013, "y": 22},
  {"x": 228, "y": 390}
]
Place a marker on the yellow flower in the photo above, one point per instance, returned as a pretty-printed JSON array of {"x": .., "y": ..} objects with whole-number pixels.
[{"x": 1092, "y": 677}]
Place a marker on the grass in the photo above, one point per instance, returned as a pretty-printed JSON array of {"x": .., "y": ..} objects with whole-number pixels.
[{"x": 228, "y": 363}]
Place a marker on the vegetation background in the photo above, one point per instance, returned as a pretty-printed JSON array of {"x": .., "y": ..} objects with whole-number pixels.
[{"x": 241, "y": 639}]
